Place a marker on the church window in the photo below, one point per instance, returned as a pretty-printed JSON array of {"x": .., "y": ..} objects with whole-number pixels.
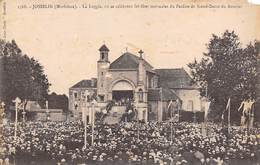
[
  {"x": 156, "y": 80},
  {"x": 83, "y": 95},
  {"x": 149, "y": 108},
  {"x": 150, "y": 82},
  {"x": 140, "y": 95},
  {"x": 87, "y": 119},
  {"x": 80, "y": 114},
  {"x": 75, "y": 95},
  {"x": 101, "y": 97},
  {"x": 76, "y": 107},
  {"x": 102, "y": 55}
]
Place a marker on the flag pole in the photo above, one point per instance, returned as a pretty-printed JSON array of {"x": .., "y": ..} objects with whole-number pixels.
[
  {"x": 171, "y": 124},
  {"x": 178, "y": 109},
  {"x": 206, "y": 112},
  {"x": 16, "y": 120},
  {"x": 161, "y": 101},
  {"x": 169, "y": 108},
  {"x": 85, "y": 129},
  {"x": 93, "y": 122},
  {"x": 17, "y": 101},
  {"x": 138, "y": 130},
  {"x": 229, "y": 116}
]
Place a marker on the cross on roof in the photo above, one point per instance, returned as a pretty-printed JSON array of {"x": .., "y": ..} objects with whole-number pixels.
[{"x": 141, "y": 53}]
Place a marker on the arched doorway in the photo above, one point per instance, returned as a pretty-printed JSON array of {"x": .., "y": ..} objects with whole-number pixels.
[{"x": 122, "y": 91}]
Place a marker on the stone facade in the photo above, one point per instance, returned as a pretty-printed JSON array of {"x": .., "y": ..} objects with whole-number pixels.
[
  {"x": 191, "y": 100},
  {"x": 41, "y": 114},
  {"x": 80, "y": 95},
  {"x": 127, "y": 77},
  {"x": 50, "y": 115},
  {"x": 132, "y": 78},
  {"x": 179, "y": 82}
]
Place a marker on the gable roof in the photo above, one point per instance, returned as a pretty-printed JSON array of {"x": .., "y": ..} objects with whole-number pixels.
[
  {"x": 166, "y": 95},
  {"x": 174, "y": 78},
  {"x": 86, "y": 84},
  {"x": 103, "y": 48},
  {"x": 128, "y": 61}
]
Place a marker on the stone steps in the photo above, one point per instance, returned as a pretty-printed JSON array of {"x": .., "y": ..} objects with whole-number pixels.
[{"x": 115, "y": 114}]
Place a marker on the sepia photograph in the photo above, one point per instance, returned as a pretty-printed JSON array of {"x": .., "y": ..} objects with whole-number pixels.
[{"x": 129, "y": 82}]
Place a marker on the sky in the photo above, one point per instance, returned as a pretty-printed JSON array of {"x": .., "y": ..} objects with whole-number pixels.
[{"x": 66, "y": 41}]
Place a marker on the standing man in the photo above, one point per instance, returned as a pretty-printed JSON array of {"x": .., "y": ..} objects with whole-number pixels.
[{"x": 247, "y": 113}]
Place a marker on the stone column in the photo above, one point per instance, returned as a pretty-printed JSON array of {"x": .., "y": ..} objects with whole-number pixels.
[
  {"x": 160, "y": 111},
  {"x": 146, "y": 115}
]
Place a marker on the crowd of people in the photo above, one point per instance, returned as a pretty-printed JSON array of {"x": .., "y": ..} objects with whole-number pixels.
[
  {"x": 128, "y": 143},
  {"x": 123, "y": 101}
]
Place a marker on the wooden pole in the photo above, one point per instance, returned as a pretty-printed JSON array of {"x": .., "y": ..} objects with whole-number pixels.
[
  {"x": 93, "y": 124},
  {"x": 138, "y": 129},
  {"x": 229, "y": 116},
  {"x": 253, "y": 116},
  {"x": 161, "y": 104},
  {"x": 85, "y": 129},
  {"x": 47, "y": 111},
  {"x": 24, "y": 111},
  {"x": 178, "y": 109},
  {"x": 17, "y": 101},
  {"x": 206, "y": 112},
  {"x": 171, "y": 127},
  {"x": 16, "y": 120}
]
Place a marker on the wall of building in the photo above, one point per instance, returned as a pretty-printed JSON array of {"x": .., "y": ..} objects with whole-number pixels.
[
  {"x": 78, "y": 98},
  {"x": 87, "y": 112},
  {"x": 102, "y": 69},
  {"x": 142, "y": 111},
  {"x": 114, "y": 76},
  {"x": 153, "y": 113},
  {"x": 191, "y": 100},
  {"x": 122, "y": 74},
  {"x": 53, "y": 115},
  {"x": 156, "y": 110},
  {"x": 151, "y": 80}
]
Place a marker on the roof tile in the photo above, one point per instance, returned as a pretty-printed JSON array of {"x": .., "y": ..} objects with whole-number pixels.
[
  {"x": 174, "y": 78},
  {"x": 166, "y": 95},
  {"x": 86, "y": 84},
  {"x": 103, "y": 48},
  {"x": 128, "y": 61}
]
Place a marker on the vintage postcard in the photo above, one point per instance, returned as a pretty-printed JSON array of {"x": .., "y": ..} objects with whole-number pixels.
[{"x": 130, "y": 82}]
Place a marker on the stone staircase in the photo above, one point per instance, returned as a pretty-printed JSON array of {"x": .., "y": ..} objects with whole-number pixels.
[{"x": 114, "y": 115}]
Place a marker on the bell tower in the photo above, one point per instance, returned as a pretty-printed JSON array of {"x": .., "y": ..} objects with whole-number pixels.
[
  {"x": 103, "y": 53},
  {"x": 102, "y": 69}
]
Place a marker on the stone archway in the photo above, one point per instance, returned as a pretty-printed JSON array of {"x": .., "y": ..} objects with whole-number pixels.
[{"x": 122, "y": 90}]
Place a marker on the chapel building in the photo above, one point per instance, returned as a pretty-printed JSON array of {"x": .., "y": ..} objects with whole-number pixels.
[{"x": 130, "y": 78}]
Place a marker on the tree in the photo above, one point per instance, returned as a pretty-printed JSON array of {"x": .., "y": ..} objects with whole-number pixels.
[
  {"x": 58, "y": 102},
  {"x": 227, "y": 71},
  {"x": 21, "y": 76}
]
